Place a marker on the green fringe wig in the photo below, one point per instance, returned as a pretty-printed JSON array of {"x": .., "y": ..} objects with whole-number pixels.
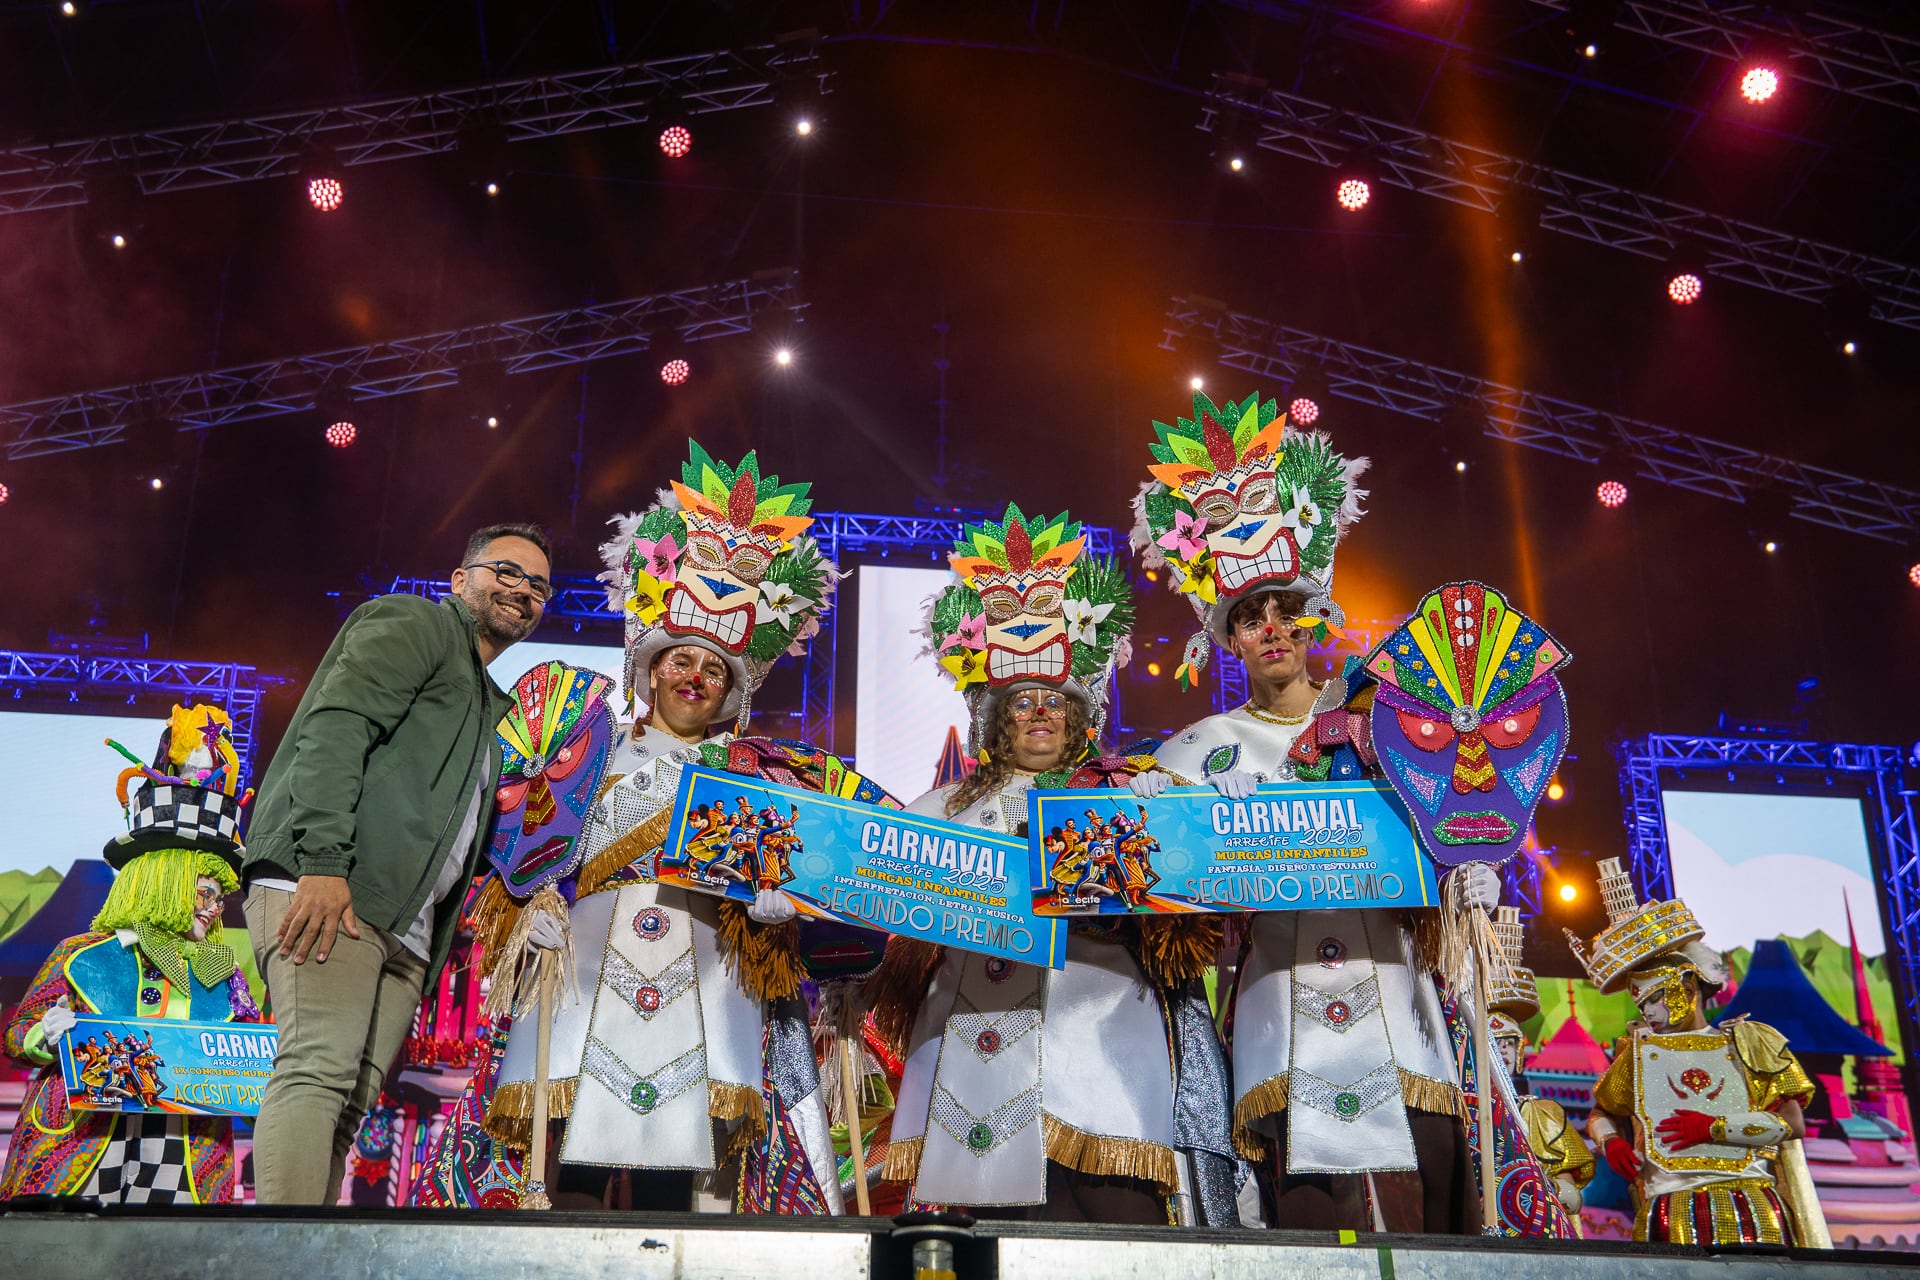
[{"x": 158, "y": 888}]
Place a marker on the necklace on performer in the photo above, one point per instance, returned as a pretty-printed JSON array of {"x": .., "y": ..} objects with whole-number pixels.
[
  {"x": 652, "y": 723},
  {"x": 1268, "y": 717}
]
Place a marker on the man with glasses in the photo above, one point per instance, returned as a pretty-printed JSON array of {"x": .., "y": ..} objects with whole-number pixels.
[{"x": 370, "y": 823}]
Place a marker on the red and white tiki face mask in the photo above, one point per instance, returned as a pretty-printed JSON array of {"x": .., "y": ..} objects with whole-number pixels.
[{"x": 1024, "y": 601}]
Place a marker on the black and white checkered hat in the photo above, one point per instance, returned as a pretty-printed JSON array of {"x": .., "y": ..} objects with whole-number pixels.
[{"x": 169, "y": 816}]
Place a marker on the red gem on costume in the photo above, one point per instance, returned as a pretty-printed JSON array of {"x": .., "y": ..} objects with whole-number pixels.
[
  {"x": 998, "y": 969},
  {"x": 1332, "y": 952},
  {"x": 988, "y": 1041},
  {"x": 647, "y": 999},
  {"x": 1338, "y": 1013},
  {"x": 1695, "y": 1078}
]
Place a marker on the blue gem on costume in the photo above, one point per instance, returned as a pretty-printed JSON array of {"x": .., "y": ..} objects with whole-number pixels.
[
  {"x": 149, "y": 995},
  {"x": 652, "y": 924},
  {"x": 150, "y": 973}
]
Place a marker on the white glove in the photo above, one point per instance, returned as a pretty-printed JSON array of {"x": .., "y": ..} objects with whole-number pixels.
[
  {"x": 1568, "y": 1195},
  {"x": 1149, "y": 783},
  {"x": 1234, "y": 784},
  {"x": 1475, "y": 884},
  {"x": 1750, "y": 1129},
  {"x": 56, "y": 1022},
  {"x": 545, "y": 933},
  {"x": 771, "y": 906}
]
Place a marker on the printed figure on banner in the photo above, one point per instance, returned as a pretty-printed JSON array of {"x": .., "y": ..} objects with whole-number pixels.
[{"x": 194, "y": 1068}]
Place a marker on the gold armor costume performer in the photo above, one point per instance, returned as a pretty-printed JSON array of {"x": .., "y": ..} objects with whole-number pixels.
[{"x": 1703, "y": 1121}]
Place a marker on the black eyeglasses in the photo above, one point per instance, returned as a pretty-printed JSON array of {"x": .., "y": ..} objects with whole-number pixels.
[{"x": 510, "y": 575}]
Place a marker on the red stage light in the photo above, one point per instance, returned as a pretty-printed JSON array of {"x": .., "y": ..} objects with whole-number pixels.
[
  {"x": 1303, "y": 411},
  {"x": 1353, "y": 194},
  {"x": 326, "y": 194},
  {"x": 5, "y": 493},
  {"x": 675, "y": 372},
  {"x": 1611, "y": 493},
  {"x": 1685, "y": 288},
  {"x": 1913, "y": 574},
  {"x": 1759, "y": 83},
  {"x": 675, "y": 141},
  {"x": 341, "y": 434}
]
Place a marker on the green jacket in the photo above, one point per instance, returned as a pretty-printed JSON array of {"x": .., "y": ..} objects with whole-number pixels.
[{"x": 381, "y": 761}]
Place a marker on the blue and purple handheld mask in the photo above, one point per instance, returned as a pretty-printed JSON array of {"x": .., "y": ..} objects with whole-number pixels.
[{"x": 555, "y": 744}]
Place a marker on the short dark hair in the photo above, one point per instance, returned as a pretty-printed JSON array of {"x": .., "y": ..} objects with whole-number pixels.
[
  {"x": 480, "y": 539},
  {"x": 1291, "y": 602}
]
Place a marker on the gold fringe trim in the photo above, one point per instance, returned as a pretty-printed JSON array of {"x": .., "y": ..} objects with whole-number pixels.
[
  {"x": 1269, "y": 1098},
  {"x": 903, "y": 1159},
  {"x": 1174, "y": 950},
  {"x": 729, "y": 1102},
  {"x": 895, "y": 992},
  {"x": 763, "y": 958},
  {"x": 495, "y": 916},
  {"x": 1429, "y": 932},
  {"x": 629, "y": 848},
  {"x": 1108, "y": 1157},
  {"x": 510, "y": 1114}
]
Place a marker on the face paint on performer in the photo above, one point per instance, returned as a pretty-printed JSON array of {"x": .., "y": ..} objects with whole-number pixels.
[
  {"x": 1508, "y": 1041},
  {"x": 687, "y": 685},
  {"x": 207, "y": 904},
  {"x": 1267, "y": 634},
  {"x": 1668, "y": 996},
  {"x": 1037, "y": 719}
]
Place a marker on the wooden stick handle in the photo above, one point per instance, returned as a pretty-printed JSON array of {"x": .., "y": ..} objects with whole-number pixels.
[
  {"x": 850, "y": 1097},
  {"x": 1483, "y": 1057},
  {"x": 535, "y": 1196}
]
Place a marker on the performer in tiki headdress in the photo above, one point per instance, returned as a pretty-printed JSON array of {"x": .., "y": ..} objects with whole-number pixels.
[
  {"x": 1703, "y": 1121},
  {"x": 156, "y": 950},
  {"x": 1116, "y": 1128}
]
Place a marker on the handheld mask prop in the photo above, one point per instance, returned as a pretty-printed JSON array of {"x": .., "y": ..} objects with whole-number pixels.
[
  {"x": 1470, "y": 721},
  {"x": 555, "y": 744}
]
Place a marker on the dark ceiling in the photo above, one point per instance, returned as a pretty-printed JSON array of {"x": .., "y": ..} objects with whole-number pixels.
[{"x": 1031, "y": 177}]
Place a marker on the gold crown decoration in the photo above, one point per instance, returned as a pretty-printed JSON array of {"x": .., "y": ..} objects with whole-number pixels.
[
  {"x": 1635, "y": 934},
  {"x": 1511, "y": 991}
]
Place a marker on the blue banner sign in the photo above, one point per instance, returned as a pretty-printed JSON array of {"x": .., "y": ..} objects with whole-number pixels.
[
  {"x": 1293, "y": 846},
  {"x": 157, "y": 1064},
  {"x": 857, "y": 863}
]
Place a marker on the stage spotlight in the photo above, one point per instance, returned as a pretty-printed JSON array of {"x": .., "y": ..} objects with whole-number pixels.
[
  {"x": 803, "y": 127},
  {"x": 1303, "y": 411},
  {"x": 156, "y": 484},
  {"x": 1591, "y": 50},
  {"x": 1153, "y": 575},
  {"x": 341, "y": 434},
  {"x": 676, "y": 140},
  {"x": 1685, "y": 287},
  {"x": 1759, "y": 83},
  {"x": 1461, "y": 465},
  {"x": 675, "y": 372},
  {"x": 69, "y": 8},
  {"x": 1153, "y": 668},
  {"x": 783, "y": 357},
  {"x": 1236, "y": 164},
  {"x": 1848, "y": 307},
  {"x": 1196, "y": 382},
  {"x": 5, "y": 493},
  {"x": 1353, "y": 193},
  {"x": 1516, "y": 256},
  {"x": 326, "y": 193},
  {"x": 1913, "y": 574},
  {"x": 1556, "y": 791},
  {"x": 1770, "y": 546},
  {"x": 1568, "y": 893},
  {"x": 493, "y": 188},
  {"x": 118, "y": 241},
  {"x": 492, "y": 422},
  {"x": 1611, "y": 493}
]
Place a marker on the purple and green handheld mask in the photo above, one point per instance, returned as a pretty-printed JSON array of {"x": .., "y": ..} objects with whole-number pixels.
[
  {"x": 554, "y": 748},
  {"x": 1469, "y": 720}
]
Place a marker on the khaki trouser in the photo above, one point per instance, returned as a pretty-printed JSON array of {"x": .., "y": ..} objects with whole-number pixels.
[{"x": 342, "y": 1024}]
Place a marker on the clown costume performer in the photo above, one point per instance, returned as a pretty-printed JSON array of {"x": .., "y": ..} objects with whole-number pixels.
[
  {"x": 156, "y": 950},
  {"x": 1096, "y": 1092},
  {"x": 1702, "y": 1121},
  {"x": 687, "y": 1044},
  {"x": 1342, "y": 1062}
]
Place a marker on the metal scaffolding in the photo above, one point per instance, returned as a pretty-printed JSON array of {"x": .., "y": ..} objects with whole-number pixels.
[
  {"x": 1675, "y": 458},
  {"x": 1819, "y": 48},
  {"x": 1619, "y": 218},
  {"x": 51, "y": 175},
  {"x": 1888, "y": 802},
  {"x": 96, "y": 678},
  {"x": 245, "y": 393}
]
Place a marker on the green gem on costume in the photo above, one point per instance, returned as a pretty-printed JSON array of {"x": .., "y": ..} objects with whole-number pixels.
[
  {"x": 980, "y": 1137},
  {"x": 644, "y": 1096}
]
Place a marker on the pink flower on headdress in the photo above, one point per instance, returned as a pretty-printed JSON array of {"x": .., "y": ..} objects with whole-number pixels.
[
  {"x": 1187, "y": 538},
  {"x": 658, "y": 558},
  {"x": 972, "y": 633}
]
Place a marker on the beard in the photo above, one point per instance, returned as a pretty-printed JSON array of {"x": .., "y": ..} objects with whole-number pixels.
[{"x": 500, "y": 626}]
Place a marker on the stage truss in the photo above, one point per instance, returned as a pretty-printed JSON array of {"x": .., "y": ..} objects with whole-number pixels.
[
  {"x": 95, "y": 678},
  {"x": 1878, "y": 768}
]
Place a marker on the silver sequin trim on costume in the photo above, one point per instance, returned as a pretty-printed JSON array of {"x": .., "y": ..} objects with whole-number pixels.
[
  {"x": 1008, "y": 1120},
  {"x": 1368, "y": 1092},
  {"x": 1361, "y": 999},
  {"x": 672, "y": 982},
  {"x": 621, "y": 1080},
  {"x": 1021, "y": 1020}
]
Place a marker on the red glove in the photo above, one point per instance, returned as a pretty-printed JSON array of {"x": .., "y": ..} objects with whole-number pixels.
[
  {"x": 1622, "y": 1157},
  {"x": 1685, "y": 1129}
]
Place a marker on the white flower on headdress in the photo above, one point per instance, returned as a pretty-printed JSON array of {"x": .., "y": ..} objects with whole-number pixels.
[
  {"x": 777, "y": 603},
  {"x": 1083, "y": 618},
  {"x": 1303, "y": 517}
]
